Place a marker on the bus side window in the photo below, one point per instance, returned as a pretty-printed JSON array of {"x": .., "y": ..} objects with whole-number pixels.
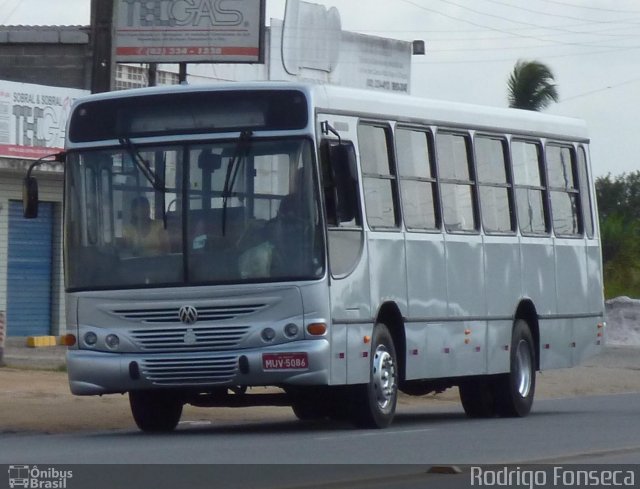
[
  {"x": 340, "y": 183},
  {"x": 528, "y": 179},
  {"x": 342, "y": 206},
  {"x": 585, "y": 197},
  {"x": 457, "y": 184},
  {"x": 418, "y": 188},
  {"x": 565, "y": 204},
  {"x": 493, "y": 184},
  {"x": 378, "y": 176}
]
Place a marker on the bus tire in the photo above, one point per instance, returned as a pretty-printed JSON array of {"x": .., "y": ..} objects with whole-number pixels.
[
  {"x": 516, "y": 389},
  {"x": 477, "y": 397},
  {"x": 155, "y": 412},
  {"x": 305, "y": 411},
  {"x": 374, "y": 404}
]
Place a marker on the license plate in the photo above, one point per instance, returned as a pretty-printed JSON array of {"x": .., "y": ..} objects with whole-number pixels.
[{"x": 285, "y": 361}]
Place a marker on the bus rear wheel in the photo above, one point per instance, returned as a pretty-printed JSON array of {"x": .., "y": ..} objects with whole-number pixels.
[
  {"x": 155, "y": 412},
  {"x": 515, "y": 391},
  {"x": 478, "y": 397},
  {"x": 374, "y": 404},
  {"x": 510, "y": 394}
]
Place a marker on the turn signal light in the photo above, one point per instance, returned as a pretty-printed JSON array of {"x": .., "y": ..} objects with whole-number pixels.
[
  {"x": 317, "y": 329},
  {"x": 68, "y": 340}
]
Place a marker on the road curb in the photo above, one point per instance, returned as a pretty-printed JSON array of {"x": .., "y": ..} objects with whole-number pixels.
[{"x": 42, "y": 341}]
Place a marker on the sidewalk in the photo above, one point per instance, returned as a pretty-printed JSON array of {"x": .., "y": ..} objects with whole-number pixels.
[{"x": 18, "y": 354}]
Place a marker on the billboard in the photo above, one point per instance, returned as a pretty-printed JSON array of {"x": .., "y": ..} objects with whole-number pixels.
[
  {"x": 33, "y": 118},
  {"x": 348, "y": 58},
  {"x": 189, "y": 31}
]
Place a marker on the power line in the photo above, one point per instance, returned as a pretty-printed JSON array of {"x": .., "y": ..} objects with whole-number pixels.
[
  {"x": 503, "y": 31},
  {"x": 508, "y": 34},
  {"x": 503, "y": 60},
  {"x": 508, "y": 19},
  {"x": 539, "y": 12},
  {"x": 602, "y": 89},
  {"x": 566, "y": 4},
  {"x": 10, "y": 14},
  {"x": 507, "y": 48}
]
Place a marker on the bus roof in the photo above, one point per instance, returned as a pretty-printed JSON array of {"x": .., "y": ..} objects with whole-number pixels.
[{"x": 398, "y": 107}]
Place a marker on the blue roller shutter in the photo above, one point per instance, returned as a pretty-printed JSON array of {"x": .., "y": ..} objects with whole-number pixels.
[{"x": 29, "y": 271}]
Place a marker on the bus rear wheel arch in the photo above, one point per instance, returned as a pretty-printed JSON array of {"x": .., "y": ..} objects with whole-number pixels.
[{"x": 510, "y": 394}]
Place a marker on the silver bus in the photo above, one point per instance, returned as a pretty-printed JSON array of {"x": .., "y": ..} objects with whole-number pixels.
[{"x": 341, "y": 245}]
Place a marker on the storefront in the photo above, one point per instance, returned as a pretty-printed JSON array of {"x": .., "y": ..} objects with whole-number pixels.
[{"x": 32, "y": 125}]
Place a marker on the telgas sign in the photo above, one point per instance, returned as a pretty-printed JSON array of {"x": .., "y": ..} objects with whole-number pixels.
[
  {"x": 181, "y": 13},
  {"x": 173, "y": 31},
  {"x": 33, "y": 119}
]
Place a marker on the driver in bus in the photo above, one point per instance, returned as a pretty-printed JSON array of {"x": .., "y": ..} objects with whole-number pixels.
[{"x": 144, "y": 236}]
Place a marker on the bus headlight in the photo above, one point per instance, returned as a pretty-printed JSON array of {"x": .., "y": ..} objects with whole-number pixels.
[
  {"x": 268, "y": 334},
  {"x": 291, "y": 330},
  {"x": 112, "y": 341},
  {"x": 90, "y": 338}
]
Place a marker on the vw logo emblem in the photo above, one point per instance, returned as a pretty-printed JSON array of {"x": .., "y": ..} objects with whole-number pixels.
[{"x": 188, "y": 314}]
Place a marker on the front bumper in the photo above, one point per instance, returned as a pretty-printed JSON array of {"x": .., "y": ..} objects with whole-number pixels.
[{"x": 94, "y": 373}]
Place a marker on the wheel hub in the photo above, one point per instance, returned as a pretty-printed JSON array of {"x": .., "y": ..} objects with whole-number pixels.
[
  {"x": 523, "y": 368},
  {"x": 384, "y": 377}
]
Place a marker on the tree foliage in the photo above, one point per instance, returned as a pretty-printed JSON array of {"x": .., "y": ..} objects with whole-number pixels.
[
  {"x": 619, "y": 213},
  {"x": 531, "y": 86}
]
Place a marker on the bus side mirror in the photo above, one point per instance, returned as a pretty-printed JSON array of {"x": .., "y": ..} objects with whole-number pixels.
[
  {"x": 341, "y": 184},
  {"x": 30, "y": 185},
  {"x": 30, "y": 197}
]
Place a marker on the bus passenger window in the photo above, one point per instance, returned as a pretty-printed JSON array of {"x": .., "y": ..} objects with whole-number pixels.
[
  {"x": 378, "y": 176},
  {"x": 585, "y": 197},
  {"x": 456, "y": 182},
  {"x": 565, "y": 204},
  {"x": 529, "y": 185},
  {"x": 417, "y": 180},
  {"x": 495, "y": 199}
]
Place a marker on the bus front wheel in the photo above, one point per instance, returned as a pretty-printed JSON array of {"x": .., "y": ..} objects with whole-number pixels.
[
  {"x": 155, "y": 411},
  {"x": 374, "y": 404}
]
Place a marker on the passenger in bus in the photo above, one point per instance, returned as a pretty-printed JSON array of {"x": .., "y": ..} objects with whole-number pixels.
[{"x": 144, "y": 236}]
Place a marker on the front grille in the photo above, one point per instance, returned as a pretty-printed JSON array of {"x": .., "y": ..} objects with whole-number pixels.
[
  {"x": 205, "y": 313},
  {"x": 189, "y": 338},
  {"x": 191, "y": 371}
]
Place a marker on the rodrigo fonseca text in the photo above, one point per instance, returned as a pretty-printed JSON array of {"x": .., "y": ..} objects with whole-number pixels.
[{"x": 558, "y": 476}]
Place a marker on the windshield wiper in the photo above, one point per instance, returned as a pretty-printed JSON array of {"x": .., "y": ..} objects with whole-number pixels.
[
  {"x": 232, "y": 172},
  {"x": 143, "y": 165}
]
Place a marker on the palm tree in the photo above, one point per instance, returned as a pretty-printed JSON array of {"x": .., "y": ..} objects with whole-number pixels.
[{"x": 531, "y": 86}]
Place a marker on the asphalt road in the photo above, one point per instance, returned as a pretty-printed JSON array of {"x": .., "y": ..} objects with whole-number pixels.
[{"x": 578, "y": 430}]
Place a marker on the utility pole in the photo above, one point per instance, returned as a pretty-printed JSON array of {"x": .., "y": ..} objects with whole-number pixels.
[
  {"x": 101, "y": 44},
  {"x": 152, "y": 74}
]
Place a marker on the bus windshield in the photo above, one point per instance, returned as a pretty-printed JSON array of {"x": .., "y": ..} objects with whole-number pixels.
[{"x": 192, "y": 214}]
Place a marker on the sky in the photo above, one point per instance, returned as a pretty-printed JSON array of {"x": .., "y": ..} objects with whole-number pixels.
[{"x": 592, "y": 47}]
